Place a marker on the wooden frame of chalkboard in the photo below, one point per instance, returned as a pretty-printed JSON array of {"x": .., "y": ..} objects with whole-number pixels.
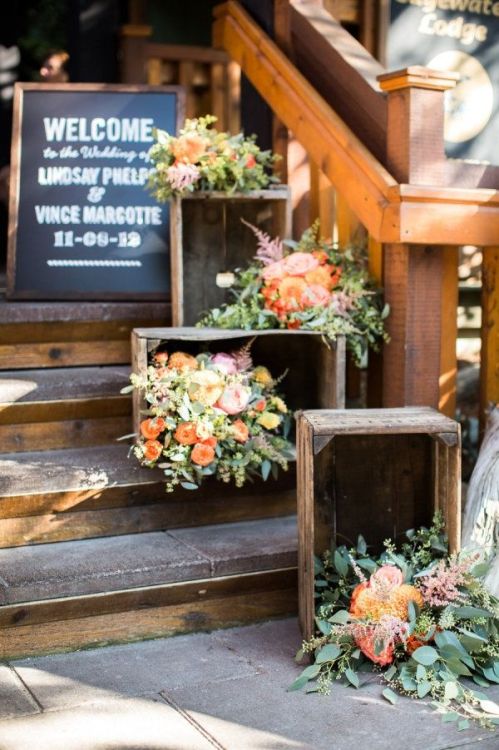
[{"x": 78, "y": 160}]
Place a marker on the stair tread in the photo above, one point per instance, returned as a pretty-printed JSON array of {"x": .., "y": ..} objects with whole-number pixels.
[
  {"x": 71, "y": 469},
  {"x": 71, "y": 312},
  {"x": 91, "y": 566},
  {"x": 62, "y": 383}
]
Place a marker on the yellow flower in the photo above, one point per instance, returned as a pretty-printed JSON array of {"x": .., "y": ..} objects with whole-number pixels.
[
  {"x": 279, "y": 405},
  {"x": 206, "y": 387},
  {"x": 268, "y": 420},
  {"x": 262, "y": 376}
]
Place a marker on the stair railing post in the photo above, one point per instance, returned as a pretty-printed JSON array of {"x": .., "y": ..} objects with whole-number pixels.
[{"x": 415, "y": 276}]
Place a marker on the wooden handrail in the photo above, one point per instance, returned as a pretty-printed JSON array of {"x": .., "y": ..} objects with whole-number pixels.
[{"x": 390, "y": 211}]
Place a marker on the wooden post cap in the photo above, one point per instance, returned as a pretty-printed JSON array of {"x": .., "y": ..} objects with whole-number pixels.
[{"x": 417, "y": 76}]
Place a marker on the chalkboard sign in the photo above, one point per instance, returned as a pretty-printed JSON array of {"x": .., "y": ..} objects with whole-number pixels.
[
  {"x": 82, "y": 223},
  {"x": 460, "y": 36}
]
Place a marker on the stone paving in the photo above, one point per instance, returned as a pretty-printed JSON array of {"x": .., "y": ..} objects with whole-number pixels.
[{"x": 224, "y": 690}]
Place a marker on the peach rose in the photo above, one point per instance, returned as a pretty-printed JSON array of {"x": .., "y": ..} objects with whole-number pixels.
[
  {"x": 211, "y": 441},
  {"x": 314, "y": 295},
  {"x": 234, "y": 399},
  {"x": 202, "y": 454},
  {"x": 182, "y": 361},
  {"x": 152, "y": 450},
  {"x": 206, "y": 387},
  {"x": 189, "y": 148},
  {"x": 240, "y": 431},
  {"x": 298, "y": 264},
  {"x": 185, "y": 434},
  {"x": 388, "y": 575},
  {"x": 151, "y": 428},
  {"x": 274, "y": 271}
]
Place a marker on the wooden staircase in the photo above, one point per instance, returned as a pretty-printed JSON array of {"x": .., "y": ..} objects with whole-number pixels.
[{"x": 92, "y": 549}]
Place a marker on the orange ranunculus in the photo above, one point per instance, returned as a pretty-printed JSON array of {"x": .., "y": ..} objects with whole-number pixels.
[
  {"x": 189, "y": 148},
  {"x": 240, "y": 431},
  {"x": 367, "y": 645},
  {"x": 291, "y": 290},
  {"x": 260, "y": 405},
  {"x": 182, "y": 361},
  {"x": 292, "y": 325},
  {"x": 185, "y": 434},
  {"x": 320, "y": 275},
  {"x": 160, "y": 359},
  {"x": 250, "y": 161},
  {"x": 211, "y": 441},
  {"x": 152, "y": 450},
  {"x": 202, "y": 455},
  {"x": 321, "y": 256},
  {"x": 151, "y": 428},
  {"x": 335, "y": 276}
]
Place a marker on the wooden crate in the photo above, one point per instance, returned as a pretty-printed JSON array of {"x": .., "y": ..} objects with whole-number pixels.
[
  {"x": 375, "y": 472},
  {"x": 207, "y": 237}
]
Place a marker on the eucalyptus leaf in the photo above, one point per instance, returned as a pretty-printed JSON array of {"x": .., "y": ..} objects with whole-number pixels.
[
  {"x": 425, "y": 655},
  {"x": 390, "y": 696},
  {"x": 330, "y": 652},
  {"x": 463, "y": 724},
  {"x": 341, "y": 617},
  {"x": 423, "y": 688},
  {"x": 352, "y": 677},
  {"x": 340, "y": 563},
  {"x": 451, "y": 691},
  {"x": 189, "y": 485}
]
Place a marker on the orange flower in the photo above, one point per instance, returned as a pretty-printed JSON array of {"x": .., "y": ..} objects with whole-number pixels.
[
  {"x": 185, "y": 434},
  {"x": 182, "y": 361},
  {"x": 152, "y": 450},
  {"x": 320, "y": 275},
  {"x": 160, "y": 359},
  {"x": 291, "y": 290},
  {"x": 321, "y": 256},
  {"x": 211, "y": 441},
  {"x": 367, "y": 603},
  {"x": 250, "y": 161},
  {"x": 240, "y": 431},
  {"x": 293, "y": 324},
  {"x": 260, "y": 405},
  {"x": 151, "y": 428},
  {"x": 367, "y": 645},
  {"x": 189, "y": 148},
  {"x": 202, "y": 455}
]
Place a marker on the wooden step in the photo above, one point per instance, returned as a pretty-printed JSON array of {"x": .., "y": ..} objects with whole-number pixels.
[
  {"x": 73, "y": 594},
  {"x": 63, "y": 407},
  {"x": 91, "y": 492},
  {"x": 70, "y": 334}
]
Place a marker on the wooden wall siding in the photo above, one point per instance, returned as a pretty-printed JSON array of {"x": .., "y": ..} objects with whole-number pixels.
[
  {"x": 371, "y": 472},
  {"x": 211, "y": 80}
]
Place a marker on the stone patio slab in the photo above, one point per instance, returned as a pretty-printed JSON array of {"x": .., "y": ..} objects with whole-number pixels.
[{"x": 15, "y": 700}]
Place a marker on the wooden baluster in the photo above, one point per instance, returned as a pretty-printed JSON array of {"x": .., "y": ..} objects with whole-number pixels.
[
  {"x": 134, "y": 39},
  {"x": 489, "y": 360},
  {"x": 448, "y": 331},
  {"x": 218, "y": 84},
  {"x": 234, "y": 98},
  {"x": 185, "y": 76},
  {"x": 154, "y": 72},
  {"x": 321, "y": 200},
  {"x": 375, "y": 365}
]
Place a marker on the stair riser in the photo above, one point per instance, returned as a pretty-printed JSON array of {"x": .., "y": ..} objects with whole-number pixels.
[
  {"x": 53, "y": 425},
  {"x": 163, "y": 513},
  {"x": 65, "y": 625}
]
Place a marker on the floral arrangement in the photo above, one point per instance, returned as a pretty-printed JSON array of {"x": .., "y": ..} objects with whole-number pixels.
[
  {"x": 421, "y": 618},
  {"x": 309, "y": 285},
  {"x": 201, "y": 158},
  {"x": 211, "y": 415}
]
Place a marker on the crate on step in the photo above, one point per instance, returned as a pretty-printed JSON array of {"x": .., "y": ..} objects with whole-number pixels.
[
  {"x": 375, "y": 472},
  {"x": 209, "y": 240}
]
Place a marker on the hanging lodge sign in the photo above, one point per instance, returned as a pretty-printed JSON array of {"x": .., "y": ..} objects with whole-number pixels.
[
  {"x": 82, "y": 223},
  {"x": 461, "y": 36}
]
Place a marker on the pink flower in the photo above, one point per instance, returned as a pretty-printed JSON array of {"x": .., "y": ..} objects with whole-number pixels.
[
  {"x": 389, "y": 575},
  {"x": 181, "y": 176},
  {"x": 234, "y": 399},
  {"x": 315, "y": 294},
  {"x": 225, "y": 363},
  {"x": 274, "y": 271},
  {"x": 298, "y": 264}
]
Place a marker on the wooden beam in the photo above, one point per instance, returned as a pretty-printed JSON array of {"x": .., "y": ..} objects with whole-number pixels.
[
  {"x": 413, "y": 278},
  {"x": 489, "y": 368},
  {"x": 448, "y": 331}
]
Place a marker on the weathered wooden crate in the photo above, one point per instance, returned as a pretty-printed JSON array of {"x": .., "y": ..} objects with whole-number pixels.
[
  {"x": 375, "y": 472},
  {"x": 316, "y": 378},
  {"x": 207, "y": 238}
]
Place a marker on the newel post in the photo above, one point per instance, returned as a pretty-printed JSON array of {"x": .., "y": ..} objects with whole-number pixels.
[
  {"x": 134, "y": 38},
  {"x": 419, "y": 362}
]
